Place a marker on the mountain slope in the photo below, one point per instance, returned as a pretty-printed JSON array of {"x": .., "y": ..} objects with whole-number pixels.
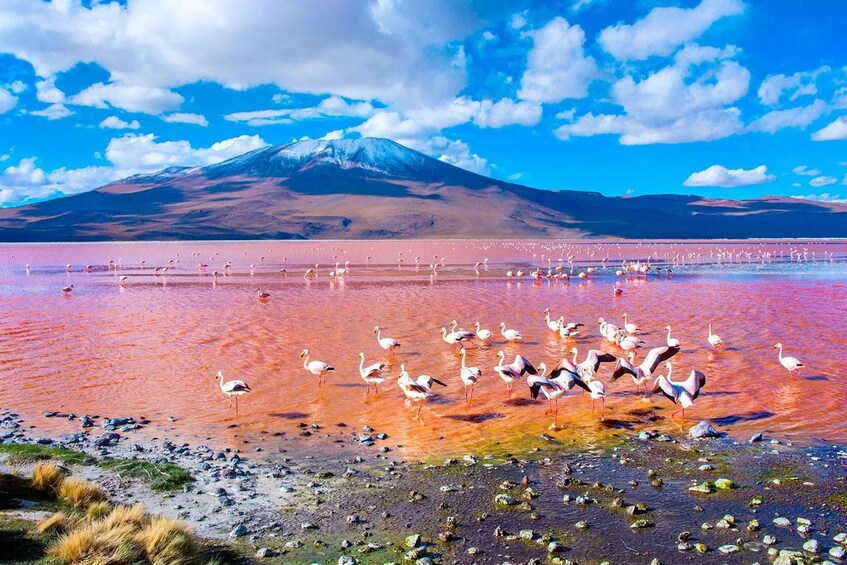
[{"x": 375, "y": 188}]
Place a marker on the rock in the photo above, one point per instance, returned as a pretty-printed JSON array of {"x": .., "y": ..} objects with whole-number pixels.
[
  {"x": 504, "y": 499},
  {"x": 724, "y": 484},
  {"x": 706, "y": 467},
  {"x": 238, "y": 531},
  {"x": 445, "y": 536},
  {"x": 425, "y": 561},
  {"x": 638, "y": 524},
  {"x": 347, "y": 560},
  {"x": 701, "y": 548},
  {"x": 755, "y": 438},
  {"x": 703, "y": 429},
  {"x": 645, "y": 435},
  {"x": 86, "y": 422},
  {"x": 840, "y": 538},
  {"x": 581, "y": 525},
  {"x": 723, "y": 525},
  {"x": 729, "y": 549},
  {"x": 812, "y": 546},
  {"x": 263, "y": 552},
  {"x": 683, "y": 536},
  {"x": 526, "y": 535},
  {"x": 782, "y": 522},
  {"x": 752, "y": 526},
  {"x": 769, "y": 539},
  {"x": 107, "y": 440},
  {"x": 44, "y": 441},
  {"x": 555, "y": 547},
  {"x": 415, "y": 553},
  {"x": 684, "y": 546},
  {"x": 704, "y": 488},
  {"x": 413, "y": 541},
  {"x": 837, "y": 552},
  {"x": 354, "y": 519}
]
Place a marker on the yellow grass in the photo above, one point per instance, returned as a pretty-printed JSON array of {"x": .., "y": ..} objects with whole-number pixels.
[
  {"x": 98, "y": 510},
  {"x": 57, "y": 523},
  {"x": 79, "y": 492},
  {"x": 47, "y": 477},
  {"x": 73, "y": 547},
  {"x": 168, "y": 541}
]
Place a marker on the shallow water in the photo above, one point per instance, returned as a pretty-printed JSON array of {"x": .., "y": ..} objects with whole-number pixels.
[{"x": 152, "y": 348}]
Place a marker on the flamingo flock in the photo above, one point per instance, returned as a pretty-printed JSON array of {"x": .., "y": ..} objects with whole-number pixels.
[{"x": 567, "y": 374}]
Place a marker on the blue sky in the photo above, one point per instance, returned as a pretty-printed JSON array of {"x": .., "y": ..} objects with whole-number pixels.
[{"x": 724, "y": 98}]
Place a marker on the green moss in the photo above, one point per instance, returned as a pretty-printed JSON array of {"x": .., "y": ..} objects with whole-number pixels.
[
  {"x": 27, "y": 452},
  {"x": 161, "y": 476}
]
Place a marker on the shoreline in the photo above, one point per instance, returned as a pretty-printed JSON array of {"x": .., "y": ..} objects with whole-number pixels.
[{"x": 625, "y": 501}]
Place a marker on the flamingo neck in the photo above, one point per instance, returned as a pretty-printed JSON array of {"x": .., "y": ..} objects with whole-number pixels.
[
  {"x": 306, "y": 362},
  {"x": 378, "y": 334},
  {"x": 670, "y": 372},
  {"x": 780, "y": 352},
  {"x": 575, "y": 354},
  {"x": 669, "y": 332},
  {"x": 361, "y": 364}
]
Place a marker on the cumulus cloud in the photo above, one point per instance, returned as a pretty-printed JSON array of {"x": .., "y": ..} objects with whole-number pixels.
[
  {"x": 7, "y": 101},
  {"x": 132, "y": 98},
  {"x": 557, "y": 66},
  {"x": 805, "y": 171},
  {"x": 114, "y": 122},
  {"x": 822, "y": 197},
  {"x": 664, "y": 29},
  {"x": 718, "y": 175},
  {"x": 16, "y": 87},
  {"x": 398, "y": 52},
  {"x": 689, "y": 100},
  {"x": 54, "y": 112},
  {"x": 818, "y": 182},
  {"x": 800, "y": 117},
  {"x": 332, "y": 106},
  {"x": 46, "y": 91},
  {"x": 129, "y": 154},
  {"x": 836, "y": 129},
  {"x": 186, "y": 118},
  {"x": 799, "y": 84},
  {"x": 457, "y": 153}
]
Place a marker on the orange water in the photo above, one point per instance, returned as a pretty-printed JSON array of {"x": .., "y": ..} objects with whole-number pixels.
[{"x": 153, "y": 347}]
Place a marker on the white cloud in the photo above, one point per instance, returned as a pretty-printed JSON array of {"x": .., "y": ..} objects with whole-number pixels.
[
  {"x": 131, "y": 98},
  {"x": 398, "y": 52},
  {"x": 129, "y": 154},
  {"x": 142, "y": 153},
  {"x": 333, "y": 106},
  {"x": 16, "y": 87},
  {"x": 805, "y": 171},
  {"x": 822, "y": 197},
  {"x": 686, "y": 101},
  {"x": 334, "y": 134},
  {"x": 7, "y": 101},
  {"x": 457, "y": 153},
  {"x": 799, "y": 84},
  {"x": 54, "y": 112},
  {"x": 517, "y": 21},
  {"x": 186, "y": 118},
  {"x": 557, "y": 66},
  {"x": 46, "y": 91},
  {"x": 114, "y": 122},
  {"x": 818, "y": 182},
  {"x": 837, "y": 129},
  {"x": 664, "y": 29},
  {"x": 718, "y": 175},
  {"x": 800, "y": 117}
]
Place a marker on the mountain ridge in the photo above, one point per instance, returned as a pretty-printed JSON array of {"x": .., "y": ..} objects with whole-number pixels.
[{"x": 375, "y": 188}]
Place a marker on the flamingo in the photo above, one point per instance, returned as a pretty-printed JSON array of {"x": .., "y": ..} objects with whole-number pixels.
[
  {"x": 469, "y": 376},
  {"x": 684, "y": 392},
  {"x": 416, "y": 390},
  {"x": 627, "y": 342},
  {"x": 122, "y": 280},
  {"x": 387, "y": 343},
  {"x": 597, "y": 389},
  {"x": 714, "y": 340},
  {"x": 318, "y": 368},
  {"x": 553, "y": 387},
  {"x": 589, "y": 367},
  {"x": 372, "y": 374},
  {"x": 513, "y": 371},
  {"x": 510, "y": 334},
  {"x": 234, "y": 388},
  {"x": 672, "y": 342},
  {"x": 791, "y": 363},
  {"x": 262, "y": 295},
  {"x": 569, "y": 330},
  {"x": 642, "y": 373},
  {"x": 629, "y": 326},
  {"x": 456, "y": 338},
  {"x": 484, "y": 335},
  {"x": 554, "y": 325},
  {"x": 68, "y": 289}
]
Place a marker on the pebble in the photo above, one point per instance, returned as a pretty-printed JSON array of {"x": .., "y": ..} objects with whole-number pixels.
[
  {"x": 837, "y": 552},
  {"x": 238, "y": 531},
  {"x": 638, "y": 524},
  {"x": 703, "y": 429},
  {"x": 347, "y": 560},
  {"x": 704, "y": 488},
  {"x": 413, "y": 541},
  {"x": 724, "y": 484},
  {"x": 812, "y": 546},
  {"x": 782, "y": 522},
  {"x": 755, "y": 438},
  {"x": 729, "y": 549},
  {"x": 701, "y": 548},
  {"x": 769, "y": 539},
  {"x": 504, "y": 499}
]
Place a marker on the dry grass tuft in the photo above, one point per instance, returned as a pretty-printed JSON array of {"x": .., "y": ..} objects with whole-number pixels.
[
  {"x": 79, "y": 492},
  {"x": 58, "y": 523},
  {"x": 168, "y": 541},
  {"x": 74, "y": 547},
  {"x": 47, "y": 477},
  {"x": 98, "y": 510}
]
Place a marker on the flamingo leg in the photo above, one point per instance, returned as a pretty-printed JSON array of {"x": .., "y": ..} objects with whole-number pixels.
[
  {"x": 603, "y": 408},
  {"x": 236, "y": 406},
  {"x": 556, "y": 414},
  {"x": 376, "y": 388},
  {"x": 470, "y": 401}
]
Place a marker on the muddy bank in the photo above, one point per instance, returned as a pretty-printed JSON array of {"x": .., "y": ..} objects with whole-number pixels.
[{"x": 631, "y": 498}]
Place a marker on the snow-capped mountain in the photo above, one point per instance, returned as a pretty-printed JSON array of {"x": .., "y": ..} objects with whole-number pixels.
[{"x": 376, "y": 188}]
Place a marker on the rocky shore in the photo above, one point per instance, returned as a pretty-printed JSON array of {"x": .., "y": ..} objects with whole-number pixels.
[{"x": 332, "y": 494}]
